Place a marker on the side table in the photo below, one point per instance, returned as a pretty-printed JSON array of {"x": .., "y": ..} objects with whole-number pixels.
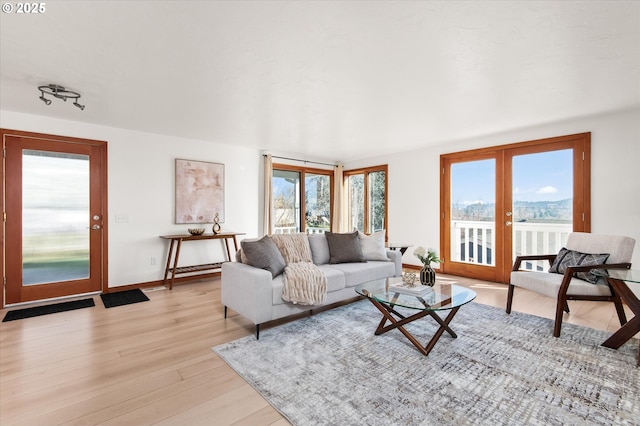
[
  {"x": 626, "y": 284},
  {"x": 398, "y": 246}
]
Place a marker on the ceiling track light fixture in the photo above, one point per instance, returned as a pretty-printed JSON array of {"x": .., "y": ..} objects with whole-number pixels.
[{"x": 59, "y": 92}]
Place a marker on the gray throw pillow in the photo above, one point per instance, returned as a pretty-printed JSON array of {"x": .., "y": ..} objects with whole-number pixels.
[
  {"x": 566, "y": 258},
  {"x": 344, "y": 248},
  {"x": 264, "y": 254}
]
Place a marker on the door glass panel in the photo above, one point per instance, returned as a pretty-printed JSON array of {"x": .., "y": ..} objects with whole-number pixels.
[
  {"x": 356, "y": 202},
  {"x": 473, "y": 207},
  {"x": 286, "y": 201},
  {"x": 317, "y": 203},
  {"x": 55, "y": 217},
  {"x": 542, "y": 203},
  {"x": 376, "y": 201}
]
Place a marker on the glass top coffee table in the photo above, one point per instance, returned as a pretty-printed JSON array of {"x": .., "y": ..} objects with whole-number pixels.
[{"x": 442, "y": 297}]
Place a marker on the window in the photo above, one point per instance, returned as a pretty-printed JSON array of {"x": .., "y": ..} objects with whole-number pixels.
[
  {"x": 301, "y": 199},
  {"x": 366, "y": 196}
]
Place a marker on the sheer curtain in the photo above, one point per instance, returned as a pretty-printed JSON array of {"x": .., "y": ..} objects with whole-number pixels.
[
  {"x": 336, "y": 215},
  {"x": 267, "y": 226}
]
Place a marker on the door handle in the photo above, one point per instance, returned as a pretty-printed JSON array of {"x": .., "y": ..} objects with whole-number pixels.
[
  {"x": 508, "y": 223},
  {"x": 95, "y": 227}
]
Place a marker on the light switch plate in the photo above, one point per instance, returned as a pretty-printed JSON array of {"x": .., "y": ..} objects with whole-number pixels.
[{"x": 122, "y": 218}]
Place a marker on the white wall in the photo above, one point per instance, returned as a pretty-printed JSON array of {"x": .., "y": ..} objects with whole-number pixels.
[
  {"x": 141, "y": 186},
  {"x": 414, "y": 179}
]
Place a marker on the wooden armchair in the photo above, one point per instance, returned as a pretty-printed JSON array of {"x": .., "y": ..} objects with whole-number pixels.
[{"x": 567, "y": 286}]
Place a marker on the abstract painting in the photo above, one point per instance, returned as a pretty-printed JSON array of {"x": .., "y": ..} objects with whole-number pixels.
[{"x": 199, "y": 191}]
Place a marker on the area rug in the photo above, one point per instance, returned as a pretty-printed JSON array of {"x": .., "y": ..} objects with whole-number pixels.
[
  {"x": 120, "y": 298},
  {"x": 47, "y": 309},
  {"x": 331, "y": 369}
]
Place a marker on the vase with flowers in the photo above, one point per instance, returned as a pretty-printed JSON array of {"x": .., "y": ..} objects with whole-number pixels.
[{"x": 427, "y": 257}]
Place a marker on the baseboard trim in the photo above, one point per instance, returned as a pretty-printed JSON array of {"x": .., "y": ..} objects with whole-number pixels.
[{"x": 177, "y": 280}]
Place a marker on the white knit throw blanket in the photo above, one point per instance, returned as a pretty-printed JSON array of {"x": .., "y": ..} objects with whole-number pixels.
[{"x": 303, "y": 282}]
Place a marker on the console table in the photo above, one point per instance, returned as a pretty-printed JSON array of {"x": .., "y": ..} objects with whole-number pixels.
[{"x": 176, "y": 242}]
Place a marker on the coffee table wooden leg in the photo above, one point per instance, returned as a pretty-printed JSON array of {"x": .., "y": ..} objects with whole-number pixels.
[
  {"x": 386, "y": 316},
  {"x": 444, "y": 326}
]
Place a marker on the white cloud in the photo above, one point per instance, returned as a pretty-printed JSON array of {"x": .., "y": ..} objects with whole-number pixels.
[{"x": 547, "y": 190}]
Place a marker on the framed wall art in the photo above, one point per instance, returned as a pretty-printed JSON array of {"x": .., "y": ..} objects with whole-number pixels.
[{"x": 199, "y": 191}]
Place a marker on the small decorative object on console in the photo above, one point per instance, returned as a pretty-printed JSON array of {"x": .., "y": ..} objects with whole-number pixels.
[
  {"x": 216, "y": 224},
  {"x": 196, "y": 231}
]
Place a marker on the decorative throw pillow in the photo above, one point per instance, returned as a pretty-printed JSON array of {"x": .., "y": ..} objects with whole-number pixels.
[
  {"x": 373, "y": 246},
  {"x": 566, "y": 258},
  {"x": 319, "y": 249},
  {"x": 264, "y": 254},
  {"x": 344, "y": 248}
]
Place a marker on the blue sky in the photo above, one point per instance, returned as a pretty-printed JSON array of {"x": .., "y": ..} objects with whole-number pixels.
[{"x": 546, "y": 176}]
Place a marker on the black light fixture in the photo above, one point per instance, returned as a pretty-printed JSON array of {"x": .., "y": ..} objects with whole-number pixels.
[{"x": 59, "y": 92}]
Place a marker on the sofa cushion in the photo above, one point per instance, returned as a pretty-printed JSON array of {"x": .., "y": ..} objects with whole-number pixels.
[
  {"x": 358, "y": 273},
  {"x": 319, "y": 249},
  {"x": 344, "y": 248},
  {"x": 566, "y": 258},
  {"x": 373, "y": 246},
  {"x": 264, "y": 254},
  {"x": 549, "y": 284}
]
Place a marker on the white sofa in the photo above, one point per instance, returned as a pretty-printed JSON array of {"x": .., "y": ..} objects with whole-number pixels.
[{"x": 253, "y": 292}]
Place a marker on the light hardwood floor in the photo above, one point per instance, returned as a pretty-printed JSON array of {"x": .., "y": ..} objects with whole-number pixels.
[{"x": 151, "y": 362}]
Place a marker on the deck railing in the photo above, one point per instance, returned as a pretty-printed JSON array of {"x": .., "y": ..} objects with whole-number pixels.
[
  {"x": 294, "y": 229},
  {"x": 473, "y": 241}
]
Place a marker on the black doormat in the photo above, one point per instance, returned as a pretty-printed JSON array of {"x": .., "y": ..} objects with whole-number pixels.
[
  {"x": 48, "y": 309},
  {"x": 120, "y": 298}
]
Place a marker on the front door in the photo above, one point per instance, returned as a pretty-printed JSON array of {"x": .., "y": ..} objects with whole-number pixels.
[{"x": 55, "y": 205}]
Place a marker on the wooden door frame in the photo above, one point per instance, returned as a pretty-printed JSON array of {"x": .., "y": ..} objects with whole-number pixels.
[
  {"x": 102, "y": 145},
  {"x": 581, "y": 145}
]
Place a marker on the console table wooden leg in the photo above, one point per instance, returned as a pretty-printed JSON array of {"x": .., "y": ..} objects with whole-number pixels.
[
  {"x": 175, "y": 264},
  {"x": 226, "y": 243},
  {"x": 168, "y": 266}
]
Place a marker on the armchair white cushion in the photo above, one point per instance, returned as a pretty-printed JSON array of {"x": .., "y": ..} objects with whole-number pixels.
[{"x": 566, "y": 286}]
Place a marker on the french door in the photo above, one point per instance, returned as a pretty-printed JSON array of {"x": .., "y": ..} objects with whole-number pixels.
[
  {"x": 54, "y": 204},
  {"x": 510, "y": 200}
]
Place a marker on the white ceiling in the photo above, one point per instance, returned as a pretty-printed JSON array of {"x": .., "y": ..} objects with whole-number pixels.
[{"x": 333, "y": 80}]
